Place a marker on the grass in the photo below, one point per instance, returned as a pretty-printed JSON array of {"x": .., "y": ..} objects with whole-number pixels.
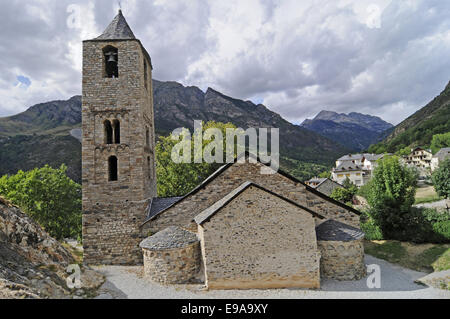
[
  {"x": 426, "y": 194},
  {"x": 420, "y": 257}
]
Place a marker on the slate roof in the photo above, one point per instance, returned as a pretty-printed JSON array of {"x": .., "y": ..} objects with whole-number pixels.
[
  {"x": 161, "y": 203},
  {"x": 443, "y": 154},
  {"x": 353, "y": 157},
  {"x": 213, "y": 209},
  {"x": 347, "y": 166},
  {"x": 169, "y": 238},
  {"x": 281, "y": 172},
  {"x": 332, "y": 230},
  {"x": 118, "y": 29}
]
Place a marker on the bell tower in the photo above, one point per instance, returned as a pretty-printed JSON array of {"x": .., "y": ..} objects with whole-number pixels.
[{"x": 118, "y": 161}]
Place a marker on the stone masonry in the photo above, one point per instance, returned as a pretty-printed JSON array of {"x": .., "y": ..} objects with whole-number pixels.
[
  {"x": 172, "y": 256},
  {"x": 114, "y": 209},
  {"x": 259, "y": 240},
  {"x": 342, "y": 260}
]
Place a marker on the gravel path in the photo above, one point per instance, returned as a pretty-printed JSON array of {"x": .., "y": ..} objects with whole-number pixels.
[
  {"x": 439, "y": 204},
  {"x": 396, "y": 282}
]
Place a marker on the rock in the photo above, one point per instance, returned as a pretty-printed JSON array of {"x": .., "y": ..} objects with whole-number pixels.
[
  {"x": 33, "y": 264},
  {"x": 440, "y": 280}
]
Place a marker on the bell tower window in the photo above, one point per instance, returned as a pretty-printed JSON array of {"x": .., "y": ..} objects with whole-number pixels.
[
  {"x": 116, "y": 128},
  {"x": 108, "y": 132},
  {"x": 112, "y": 169},
  {"x": 111, "y": 62}
]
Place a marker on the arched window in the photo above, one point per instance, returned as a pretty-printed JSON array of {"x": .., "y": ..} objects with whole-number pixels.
[
  {"x": 149, "y": 167},
  {"x": 112, "y": 169},
  {"x": 147, "y": 137},
  {"x": 111, "y": 62},
  {"x": 116, "y": 127},
  {"x": 108, "y": 132},
  {"x": 145, "y": 74}
]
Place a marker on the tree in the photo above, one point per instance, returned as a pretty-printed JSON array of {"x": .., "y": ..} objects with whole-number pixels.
[
  {"x": 440, "y": 141},
  {"x": 177, "y": 179},
  {"x": 346, "y": 194},
  {"x": 441, "y": 179},
  {"x": 49, "y": 197},
  {"x": 326, "y": 174},
  {"x": 391, "y": 195}
]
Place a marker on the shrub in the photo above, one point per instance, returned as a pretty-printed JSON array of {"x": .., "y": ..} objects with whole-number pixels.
[
  {"x": 370, "y": 228},
  {"x": 441, "y": 179}
]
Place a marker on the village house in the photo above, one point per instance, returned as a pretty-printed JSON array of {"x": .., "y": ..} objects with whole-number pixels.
[
  {"x": 241, "y": 228},
  {"x": 420, "y": 158},
  {"x": 358, "y": 168},
  {"x": 323, "y": 185},
  {"x": 440, "y": 157}
]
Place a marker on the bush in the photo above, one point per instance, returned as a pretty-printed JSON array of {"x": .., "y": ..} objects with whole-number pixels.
[
  {"x": 370, "y": 228},
  {"x": 441, "y": 179},
  {"x": 49, "y": 197},
  {"x": 425, "y": 226}
]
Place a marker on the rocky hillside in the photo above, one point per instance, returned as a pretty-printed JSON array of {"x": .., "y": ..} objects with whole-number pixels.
[
  {"x": 33, "y": 264},
  {"x": 42, "y": 134},
  {"x": 419, "y": 128},
  {"x": 355, "y": 131}
]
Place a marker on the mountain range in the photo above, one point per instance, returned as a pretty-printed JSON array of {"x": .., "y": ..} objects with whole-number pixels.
[
  {"x": 42, "y": 134},
  {"x": 355, "y": 131}
]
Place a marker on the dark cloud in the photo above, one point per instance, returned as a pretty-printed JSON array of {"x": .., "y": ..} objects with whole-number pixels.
[{"x": 298, "y": 56}]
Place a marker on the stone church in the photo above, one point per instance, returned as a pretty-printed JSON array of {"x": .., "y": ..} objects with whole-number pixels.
[{"x": 239, "y": 229}]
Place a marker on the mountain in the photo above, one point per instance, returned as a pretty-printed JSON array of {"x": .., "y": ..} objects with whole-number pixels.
[
  {"x": 48, "y": 133},
  {"x": 355, "y": 131},
  {"x": 419, "y": 128}
]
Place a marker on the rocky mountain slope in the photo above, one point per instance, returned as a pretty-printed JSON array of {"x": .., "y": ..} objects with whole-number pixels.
[
  {"x": 42, "y": 134},
  {"x": 419, "y": 128},
  {"x": 355, "y": 131},
  {"x": 33, "y": 264}
]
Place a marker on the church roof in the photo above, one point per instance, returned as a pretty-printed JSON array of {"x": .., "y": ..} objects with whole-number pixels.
[
  {"x": 118, "y": 29},
  {"x": 213, "y": 209},
  {"x": 169, "y": 238},
  {"x": 248, "y": 154},
  {"x": 332, "y": 230}
]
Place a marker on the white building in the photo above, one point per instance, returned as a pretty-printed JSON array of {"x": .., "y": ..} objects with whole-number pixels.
[
  {"x": 439, "y": 157},
  {"x": 356, "y": 167}
]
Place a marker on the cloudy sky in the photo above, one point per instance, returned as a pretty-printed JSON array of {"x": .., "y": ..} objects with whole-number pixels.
[{"x": 380, "y": 57}]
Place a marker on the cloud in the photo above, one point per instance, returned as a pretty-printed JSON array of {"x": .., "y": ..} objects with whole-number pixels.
[{"x": 381, "y": 57}]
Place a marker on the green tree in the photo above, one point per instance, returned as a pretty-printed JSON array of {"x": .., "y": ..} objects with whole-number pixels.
[
  {"x": 440, "y": 141},
  {"x": 391, "y": 195},
  {"x": 49, "y": 197},
  {"x": 326, "y": 174},
  {"x": 346, "y": 194},
  {"x": 177, "y": 179},
  {"x": 441, "y": 179}
]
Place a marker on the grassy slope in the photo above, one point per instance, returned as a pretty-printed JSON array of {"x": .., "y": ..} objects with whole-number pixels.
[{"x": 420, "y": 257}]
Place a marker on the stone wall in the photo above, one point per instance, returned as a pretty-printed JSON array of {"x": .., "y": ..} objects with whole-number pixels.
[
  {"x": 113, "y": 210},
  {"x": 342, "y": 260},
  {"x": 173, "y": 266},
  {"x": 259, "y": 240},
  {"x": 183, "y": 212}
]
